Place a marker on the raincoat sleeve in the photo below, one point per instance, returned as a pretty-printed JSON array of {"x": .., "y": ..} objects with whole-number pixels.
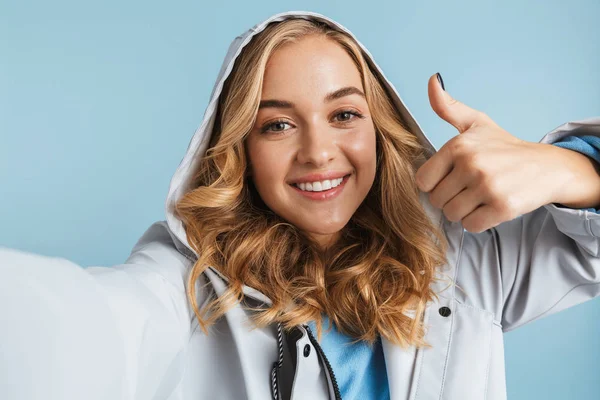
[
  {"x": 96, "y": 333},
  {"x": 536, "y": 264}
]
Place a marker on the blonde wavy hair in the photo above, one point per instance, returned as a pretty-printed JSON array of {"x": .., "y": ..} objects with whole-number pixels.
[{"x": 385, "y": 260}]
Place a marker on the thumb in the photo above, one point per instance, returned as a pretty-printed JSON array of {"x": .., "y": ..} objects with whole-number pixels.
[{"x": 450, "y": 110}]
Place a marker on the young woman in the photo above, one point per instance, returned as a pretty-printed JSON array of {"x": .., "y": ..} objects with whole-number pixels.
[{"x": 317, "y": 246}]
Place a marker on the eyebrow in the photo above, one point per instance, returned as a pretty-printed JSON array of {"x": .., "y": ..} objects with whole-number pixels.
[{"x": 345, "y": 91}]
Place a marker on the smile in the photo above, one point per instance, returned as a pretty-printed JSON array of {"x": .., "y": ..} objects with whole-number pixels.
[{"x": 335, "y": 188}]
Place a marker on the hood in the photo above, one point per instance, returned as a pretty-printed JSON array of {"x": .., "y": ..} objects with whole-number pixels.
[{"x": 180, "y": 183}]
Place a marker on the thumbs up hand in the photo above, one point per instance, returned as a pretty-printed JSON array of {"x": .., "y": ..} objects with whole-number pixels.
[{"x": 484, "y": 175}]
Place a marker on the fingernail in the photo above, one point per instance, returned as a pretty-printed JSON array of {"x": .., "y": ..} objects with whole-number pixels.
[{"x": 440, "y": 80}]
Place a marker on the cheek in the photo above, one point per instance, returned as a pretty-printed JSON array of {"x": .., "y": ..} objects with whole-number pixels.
[
  {"x": 268, "y": 166},
  {"x": 362, "y": 150}
]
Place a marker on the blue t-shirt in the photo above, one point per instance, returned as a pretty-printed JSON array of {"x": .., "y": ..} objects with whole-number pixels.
[
  {"x": 585, "y": 144},
  {"x": 359, "y": 369}
]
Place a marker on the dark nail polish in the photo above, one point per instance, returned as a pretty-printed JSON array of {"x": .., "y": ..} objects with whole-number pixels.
[{"x": 440, "y": 80}]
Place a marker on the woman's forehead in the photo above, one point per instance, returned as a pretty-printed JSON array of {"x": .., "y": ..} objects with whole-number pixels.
[{"x": 312, "y": 67}]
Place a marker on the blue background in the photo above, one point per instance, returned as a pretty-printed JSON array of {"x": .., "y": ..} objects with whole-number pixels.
[{"x": 98, "y": 103}]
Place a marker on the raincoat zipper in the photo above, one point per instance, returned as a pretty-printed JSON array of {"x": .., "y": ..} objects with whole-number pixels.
[
  {"x": 313, "y": 340},
  {"x": 277, "y": 364}
]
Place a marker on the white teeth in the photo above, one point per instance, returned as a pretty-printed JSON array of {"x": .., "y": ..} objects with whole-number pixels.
[{"x": 319, "y": 186}]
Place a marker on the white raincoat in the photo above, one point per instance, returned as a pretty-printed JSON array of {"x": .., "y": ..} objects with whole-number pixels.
[{"x": 127, "y": 331}]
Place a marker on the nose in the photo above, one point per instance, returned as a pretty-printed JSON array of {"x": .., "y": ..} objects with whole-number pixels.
[{"x": 317, "y": 145}]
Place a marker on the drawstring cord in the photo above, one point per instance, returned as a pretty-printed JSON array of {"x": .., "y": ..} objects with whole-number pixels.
[{"x": 278, "y": 363}]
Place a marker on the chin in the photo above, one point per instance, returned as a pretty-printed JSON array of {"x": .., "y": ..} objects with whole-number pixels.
[{"x": 318, "y": 230}]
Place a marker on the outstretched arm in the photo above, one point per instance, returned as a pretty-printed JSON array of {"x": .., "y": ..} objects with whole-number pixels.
[{"x": 72, "y": 333}]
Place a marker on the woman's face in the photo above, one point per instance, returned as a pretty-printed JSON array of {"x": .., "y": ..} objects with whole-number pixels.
[{"x": 313, "y": 130}]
